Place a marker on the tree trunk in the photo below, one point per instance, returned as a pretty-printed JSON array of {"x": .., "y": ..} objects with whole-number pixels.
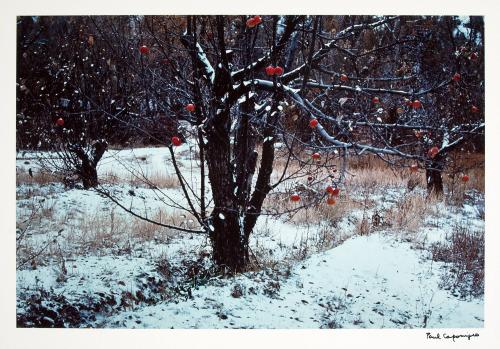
[
  {"x": 87, "y": 170},
  {"x": 89, "y": 175},
  {"x": 230, "y": 250},
  {"x": 433, "y": 174}
]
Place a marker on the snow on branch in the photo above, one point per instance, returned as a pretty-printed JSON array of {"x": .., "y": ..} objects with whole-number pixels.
[
  {"x": 202, "y": 57},
  {"x": 322, "y": 131},
  {"x": 378, "y": 90}
]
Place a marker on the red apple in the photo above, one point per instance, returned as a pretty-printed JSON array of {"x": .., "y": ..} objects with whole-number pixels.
[
  {"x": 474, "y": 109},
  {"x": 457, "y": 77},
  {"x": 433, "y": 152},
  {"x": 176, "y": 141},
  {"x": 375, "y": 100},
  {"x": 473, "y": 56},
  {"x": 313, "y": 123},
  {"x": 344, "y": 78},
  {"x": 251, "y": 22},
  {"x": 329, "y": 189},
  {"x": 295, "y": 197},
  {"x": 190, "y": 107},
  {"x": 278, "y": 70},
  {"x": 408, "y": 102},
  {"x": 257, "y": 20},
  {"x": 336, "y": 192},
  {"x": 270, "y": 70},
  {"x": 416, "y": 104},
  {"x": 316, "y": 156},
  {"x": 60, "y": 122},
  {"x": 331, "y": 201},
  {"x": 144, "y": 50},
  {"x": 465, "y": 178}
]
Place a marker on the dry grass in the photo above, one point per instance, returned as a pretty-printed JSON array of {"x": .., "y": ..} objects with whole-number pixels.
[
  {"x": 156, "y": 180},
  {"x": 465, "y": 251},
  {"x": 311, "y": 214},
  {"x": 37, "y": 177},
  {"x": 466, "y": 163},
  {"x": 96, "y": 233},
  {"x": 410, "y": 211}
]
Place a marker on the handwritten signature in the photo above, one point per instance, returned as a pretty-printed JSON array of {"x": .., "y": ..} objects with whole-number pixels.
[{"x": 451, "y": 336}]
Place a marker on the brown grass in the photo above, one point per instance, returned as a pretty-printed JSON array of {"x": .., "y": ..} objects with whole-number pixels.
[
  {"x": 95, "y": 232},
  {"x": 92, "y": 233},
  {"x": 410, "y": 211},
  {"x": 38, "y": 177},
  {"x": 156, "y": 180},
  {"x": 465, "y": 251}
]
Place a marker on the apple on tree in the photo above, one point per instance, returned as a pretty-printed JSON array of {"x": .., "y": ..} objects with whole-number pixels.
[
  {"x": 433, "y": 152},
  {"x": 313, "y": 123},
  {"x": 176, "y": 141}
]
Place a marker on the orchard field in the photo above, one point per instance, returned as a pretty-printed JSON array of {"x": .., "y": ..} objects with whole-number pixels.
[{"x": 250, "y": 172}]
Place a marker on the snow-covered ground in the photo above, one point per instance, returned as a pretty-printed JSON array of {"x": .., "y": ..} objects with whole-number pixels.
[{"x": 102, "y": 268}]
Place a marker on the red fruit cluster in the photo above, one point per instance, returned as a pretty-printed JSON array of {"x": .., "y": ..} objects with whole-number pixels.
[
  {"x": 176, "y": 141},
  {"x": 144, "y": 50},
  {"x": 332, "y": 191},
  {"x": 254, "y": 21},
  {"x": 190, "y": 107},
  {"x": 270, "y": 70}
]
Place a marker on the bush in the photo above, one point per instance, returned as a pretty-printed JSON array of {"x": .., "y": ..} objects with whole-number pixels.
[{"x": 465, "y": 252}]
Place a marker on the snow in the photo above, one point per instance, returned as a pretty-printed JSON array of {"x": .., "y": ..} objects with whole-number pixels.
[
  {"x": 386, "y": 279},
  {"x": 209, "y": 70},
  {"x": 388, "y": 287}
]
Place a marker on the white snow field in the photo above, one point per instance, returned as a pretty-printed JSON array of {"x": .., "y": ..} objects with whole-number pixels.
[{"x": 95, "y": 265}]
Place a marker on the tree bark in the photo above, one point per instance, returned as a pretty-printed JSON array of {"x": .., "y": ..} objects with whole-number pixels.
[
  {"x": 87, "y": 170},
  {"x": 434, "y": 176}
]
